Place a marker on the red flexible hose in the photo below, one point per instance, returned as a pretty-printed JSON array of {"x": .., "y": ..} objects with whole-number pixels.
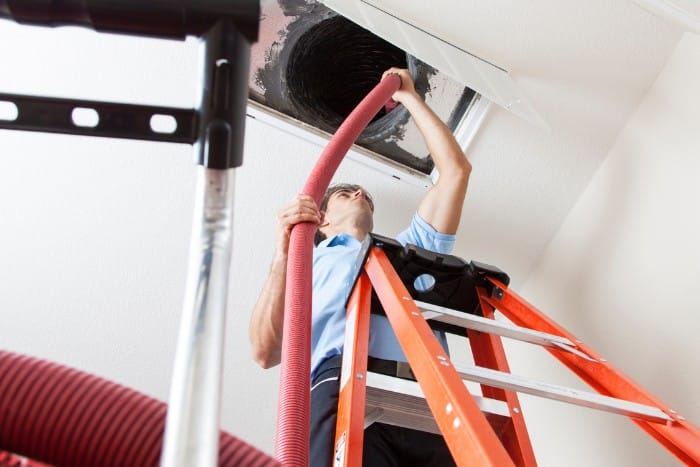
[
  {"x": 292, "y": 442},
  {"x": 61, "y": 416}
]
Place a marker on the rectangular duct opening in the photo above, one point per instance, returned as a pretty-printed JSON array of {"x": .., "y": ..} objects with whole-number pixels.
[{"x": 311, "y": 66}]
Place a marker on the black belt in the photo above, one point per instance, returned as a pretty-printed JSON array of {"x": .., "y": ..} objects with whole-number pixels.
[{"x": 375, "y": 365}]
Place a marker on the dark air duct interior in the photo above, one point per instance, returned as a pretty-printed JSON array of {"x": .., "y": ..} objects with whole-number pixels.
[{"x": 333, "y": 66}]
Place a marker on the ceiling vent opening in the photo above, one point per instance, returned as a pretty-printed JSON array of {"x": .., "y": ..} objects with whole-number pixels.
[
  {"x": 315, "y": 66},
  {"x": 332, "y": 66}
]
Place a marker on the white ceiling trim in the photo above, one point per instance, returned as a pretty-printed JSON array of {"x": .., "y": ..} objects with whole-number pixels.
[
  {"x": 478, "y": 74},
  {"x": 469, "y": 126},
  {"x": 320, "y": 138}
]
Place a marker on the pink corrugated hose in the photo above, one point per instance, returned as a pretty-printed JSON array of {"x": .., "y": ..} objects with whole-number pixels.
[
  {"x": 61, "y": 416},
  {"x": 292, "y": 441}
]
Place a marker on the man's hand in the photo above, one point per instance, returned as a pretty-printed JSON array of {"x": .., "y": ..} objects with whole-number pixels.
[
  {"x": 300, "y": 209},
  {"x": 407, "y": 88}
]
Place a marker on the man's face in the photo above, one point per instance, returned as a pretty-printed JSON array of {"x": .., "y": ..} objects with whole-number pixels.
[{"x": 350, "y": 203}]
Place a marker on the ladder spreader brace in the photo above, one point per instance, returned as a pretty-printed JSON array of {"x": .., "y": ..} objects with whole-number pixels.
[{"x": 488, "y": 430}]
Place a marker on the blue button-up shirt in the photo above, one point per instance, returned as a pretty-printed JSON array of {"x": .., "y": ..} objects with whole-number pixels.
[{"x": 332, "y": 280}]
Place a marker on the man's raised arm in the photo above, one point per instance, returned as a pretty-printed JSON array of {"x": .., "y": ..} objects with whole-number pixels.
[{"x": 441, "y": 207}]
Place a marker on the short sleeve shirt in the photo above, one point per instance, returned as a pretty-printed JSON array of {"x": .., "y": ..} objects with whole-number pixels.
[{"x": 333, "y": 277}]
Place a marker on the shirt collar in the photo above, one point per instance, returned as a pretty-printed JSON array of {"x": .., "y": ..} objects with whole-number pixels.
[{"x": 342, "y": 238}]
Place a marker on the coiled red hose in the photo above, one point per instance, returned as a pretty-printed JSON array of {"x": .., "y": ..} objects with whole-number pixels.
[
  {"x": 62, "y": 416},
  {"x": 292, "y": 441}
]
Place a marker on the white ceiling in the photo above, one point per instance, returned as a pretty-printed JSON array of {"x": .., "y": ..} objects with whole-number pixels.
[
  {"x": 584, "y": 67},
  {"x": 95, "y": 233}
]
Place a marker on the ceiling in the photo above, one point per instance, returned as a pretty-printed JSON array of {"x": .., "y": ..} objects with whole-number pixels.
[
  {"x": 584, "y": 68},
  {"x": 104, "y": 227}
]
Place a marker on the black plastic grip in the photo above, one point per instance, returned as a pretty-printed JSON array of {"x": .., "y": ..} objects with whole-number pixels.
[{"x": 455, "y": 280}]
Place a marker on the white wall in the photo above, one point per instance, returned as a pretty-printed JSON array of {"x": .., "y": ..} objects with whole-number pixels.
[{"x": 622, "y": 274}]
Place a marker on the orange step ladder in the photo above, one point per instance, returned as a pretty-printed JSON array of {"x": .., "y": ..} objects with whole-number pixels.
[{"x": 456, "y": 296}]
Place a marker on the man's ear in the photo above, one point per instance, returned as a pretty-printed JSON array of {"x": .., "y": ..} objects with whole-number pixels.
[{"x": 324, "y": 222}]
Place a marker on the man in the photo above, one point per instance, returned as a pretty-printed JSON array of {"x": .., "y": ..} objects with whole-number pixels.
[{"x": 344, "y": 219}]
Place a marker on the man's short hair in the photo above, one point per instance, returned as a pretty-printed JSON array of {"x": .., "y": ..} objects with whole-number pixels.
[{"x": 320, "y": 236}]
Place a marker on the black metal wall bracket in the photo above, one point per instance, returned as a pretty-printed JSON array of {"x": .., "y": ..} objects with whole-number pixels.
[
  {"x": 216, "y": 127},
  {"x": 111, "y": 120}
]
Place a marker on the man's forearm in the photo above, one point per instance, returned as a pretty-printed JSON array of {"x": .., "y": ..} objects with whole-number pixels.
[
  {"x": 441, "y": 206},
  {"x": 444, "y": 149},
  {"x": 267, "y": 321}
]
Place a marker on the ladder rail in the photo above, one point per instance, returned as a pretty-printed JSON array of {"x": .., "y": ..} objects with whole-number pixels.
[
  {"x": 487, "y": 351},
  {"x": 679, "y": 436},
  {"x": 466, "y": 430},
  {"x": 351, "y": 398}
]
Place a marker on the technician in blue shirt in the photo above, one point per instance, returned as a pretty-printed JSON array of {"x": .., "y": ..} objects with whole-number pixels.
[{"x": 344, "y": 218}]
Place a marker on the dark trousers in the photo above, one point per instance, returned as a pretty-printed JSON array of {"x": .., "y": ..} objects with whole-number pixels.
[{"x": 384, "y": 445}]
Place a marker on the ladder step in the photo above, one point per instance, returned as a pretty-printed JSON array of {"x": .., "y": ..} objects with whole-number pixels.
[
  {"x": 561, "y": 393},
  {"x": 478, "y": 323},
  {"x": 401, "y": 402},
  {"x": 521, "y": 384}
]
